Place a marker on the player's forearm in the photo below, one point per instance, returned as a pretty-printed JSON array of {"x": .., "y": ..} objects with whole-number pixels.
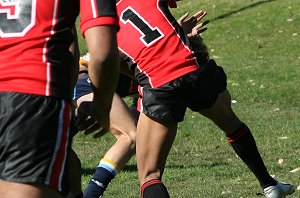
[
  {"x": 104, "y": 80},
  {"x": 104, "y": 65}
]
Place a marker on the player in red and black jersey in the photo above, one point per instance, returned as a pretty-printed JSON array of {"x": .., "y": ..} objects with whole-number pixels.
[
  {"x": 36, "y": 85},
  {"x": 172, "y": 78},
  {"x": 123, "y": 122}
]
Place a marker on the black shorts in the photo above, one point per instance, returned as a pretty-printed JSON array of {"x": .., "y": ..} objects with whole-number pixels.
[
  {"x": 83, "y": 85},
  {"x": 196, "y": 90},
  {"x": 126, "y": 86},
  {"x": 34, "y": 140}
]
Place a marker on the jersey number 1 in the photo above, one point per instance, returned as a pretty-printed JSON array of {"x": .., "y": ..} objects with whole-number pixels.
[{"x": 149, "y": 34}]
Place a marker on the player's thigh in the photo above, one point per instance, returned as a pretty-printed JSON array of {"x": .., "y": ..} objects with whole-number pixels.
[
  {"x": 222, "y": 114},
  {"x": 32, "y": 190},
  {"x": 122, "y": 122},
  {"x": 162, "y": 108},
  {"x": 154, "y": 140}
]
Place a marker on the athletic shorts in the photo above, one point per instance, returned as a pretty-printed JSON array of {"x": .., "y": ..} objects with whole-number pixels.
[
  {"x": 196, "y": 90},
  {"x": 126, "y": 86},
  {"x": 34, "y": 140},
  {"x": 83, "y": 85}
]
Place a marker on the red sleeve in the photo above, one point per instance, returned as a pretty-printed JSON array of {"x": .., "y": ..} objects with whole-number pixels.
[
  {"x": 96, "y": 13},
  {"x": 84, "y": 25}
]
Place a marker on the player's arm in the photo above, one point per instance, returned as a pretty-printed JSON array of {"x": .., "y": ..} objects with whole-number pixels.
[
  {"x": 74, "y": 49},
  {"x": 99, "y": 24},
  {"x": 103, "y": 72},
  {"x": 104, "y": 63}
]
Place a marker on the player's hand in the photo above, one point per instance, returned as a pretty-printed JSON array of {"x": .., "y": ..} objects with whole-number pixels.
[
  {"x": 190, "y": 25},
  {"x": 92, "y": 119}
]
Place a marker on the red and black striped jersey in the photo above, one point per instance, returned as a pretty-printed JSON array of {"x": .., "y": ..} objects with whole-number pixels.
[
  {"x": 35, "y": 36},
  {"x": 152, "y": 38}
]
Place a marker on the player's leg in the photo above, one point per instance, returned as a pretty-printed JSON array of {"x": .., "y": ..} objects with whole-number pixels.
[
  {"x": 240, "y": 137},
  {"x": 75, "y": 176},
  {"x": 123, "y": 127},
  {"x": 22, "y": 190},
  {"x": 154, "y": 140},
  {"x": 161, "y": 109},
  {"x": 222, "y": 114}
]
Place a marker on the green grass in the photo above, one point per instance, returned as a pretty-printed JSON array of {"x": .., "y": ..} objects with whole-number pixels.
[{"x": 258, "y": 44}]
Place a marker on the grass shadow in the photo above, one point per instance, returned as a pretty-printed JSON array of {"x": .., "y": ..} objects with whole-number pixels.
[
  {"x": 133, "y": 167},
  {"x": 240, "y": 10}
]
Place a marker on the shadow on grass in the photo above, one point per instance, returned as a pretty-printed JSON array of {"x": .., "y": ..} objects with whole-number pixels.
[
  {"x": 133, "y": 168},
  {"x": 240, "y": 10}
]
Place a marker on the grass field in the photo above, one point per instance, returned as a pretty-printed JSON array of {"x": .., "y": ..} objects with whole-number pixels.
[{"x": 258, "y": 44}]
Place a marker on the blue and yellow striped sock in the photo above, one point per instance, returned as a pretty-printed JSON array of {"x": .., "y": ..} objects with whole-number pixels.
[
  {"x": 105, "y": 172},
  {"x": 109, "y": 165}
]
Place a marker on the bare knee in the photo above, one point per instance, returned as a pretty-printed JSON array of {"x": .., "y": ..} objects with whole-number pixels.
[{"x": 129, "y": 138}]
